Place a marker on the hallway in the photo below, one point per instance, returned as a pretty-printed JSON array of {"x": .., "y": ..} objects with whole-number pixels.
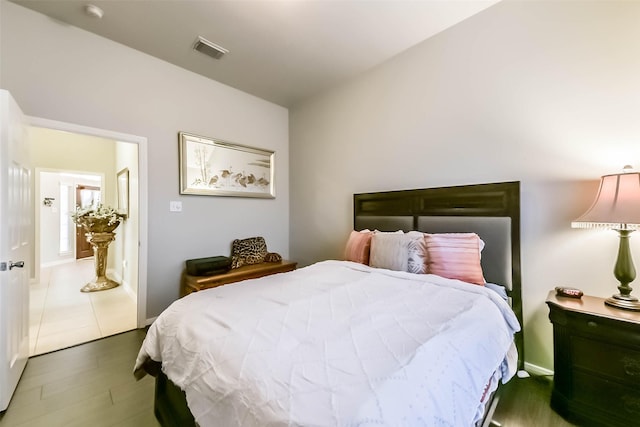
[{"x": 61, "y": 316}]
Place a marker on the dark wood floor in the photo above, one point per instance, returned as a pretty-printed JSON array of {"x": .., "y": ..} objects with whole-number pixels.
[
  {"x": 524, "y": 402},
  {"x": 87, "y": 385},
  {"x": 93, "y": 385}
]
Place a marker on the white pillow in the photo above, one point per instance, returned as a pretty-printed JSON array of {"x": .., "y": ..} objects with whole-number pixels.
[
  {"x": 393, "y": 251},
  {"x": 388, "y": 250}
]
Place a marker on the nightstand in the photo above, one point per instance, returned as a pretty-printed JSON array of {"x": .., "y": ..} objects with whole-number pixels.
[
  {"x": 596, "y": 351},
  {"x": 198, "y": 283}
]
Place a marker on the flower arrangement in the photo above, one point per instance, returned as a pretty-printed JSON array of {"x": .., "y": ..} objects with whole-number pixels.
[{"x": 97, "y": 219}]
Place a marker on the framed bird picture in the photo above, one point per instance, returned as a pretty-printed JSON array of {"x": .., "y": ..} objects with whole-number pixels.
[{"x": 213, "y": 167}]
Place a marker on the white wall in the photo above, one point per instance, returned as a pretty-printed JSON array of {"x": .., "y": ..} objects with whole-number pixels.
[
  {"x": 49, "y": 234},
  {"x": 59, "y": 72},
  {"x": 50, "y": 220},
  {"x": 546, "y": 93},
  {"x": 127, "y": 243}
]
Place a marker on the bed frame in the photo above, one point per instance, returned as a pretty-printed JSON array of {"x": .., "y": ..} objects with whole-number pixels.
[{"x": 490, "y": 210}]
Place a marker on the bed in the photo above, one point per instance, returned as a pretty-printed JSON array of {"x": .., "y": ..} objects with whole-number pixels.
[{"x": 341, "y": 343}]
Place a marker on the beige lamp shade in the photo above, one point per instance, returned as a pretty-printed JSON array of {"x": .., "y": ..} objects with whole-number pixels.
[{"x": 617, "y": 205}]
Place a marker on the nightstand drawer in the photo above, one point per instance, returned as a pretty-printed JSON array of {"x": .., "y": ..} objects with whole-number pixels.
[
  {"x": 619, "y": 404},
  {"x": 604, "y": 329},
  {"x": 606, "y": 359}
]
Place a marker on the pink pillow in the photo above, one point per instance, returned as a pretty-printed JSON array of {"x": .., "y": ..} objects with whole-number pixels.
[
  {"x": 358, "y": 247},
  {"x": 455, "y": 256}
]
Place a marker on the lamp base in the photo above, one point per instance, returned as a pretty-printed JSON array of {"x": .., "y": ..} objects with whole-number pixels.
[{"x": 626, "y": 302}]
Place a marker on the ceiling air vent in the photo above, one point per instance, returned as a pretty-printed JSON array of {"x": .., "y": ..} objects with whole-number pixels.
[{"x": 213, "y": 50}]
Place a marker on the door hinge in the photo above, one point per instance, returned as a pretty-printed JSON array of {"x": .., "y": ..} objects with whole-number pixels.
[{"x": 3, "y": 266}]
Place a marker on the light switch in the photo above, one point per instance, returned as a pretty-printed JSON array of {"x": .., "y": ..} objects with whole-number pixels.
[{"x": 175, "y": 206}]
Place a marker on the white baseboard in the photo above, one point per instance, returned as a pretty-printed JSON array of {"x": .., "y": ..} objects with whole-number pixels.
[
  {"x": 150, "y": 320},
  {"x": 132, "y": 294},
  {"x": 118, "y": 278},
  {"x": 58, "y": 262},
  {"x": 536, "y": 370}
]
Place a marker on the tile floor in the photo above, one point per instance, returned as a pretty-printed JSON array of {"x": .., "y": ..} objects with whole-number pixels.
[{"x": 61, "y": 316}]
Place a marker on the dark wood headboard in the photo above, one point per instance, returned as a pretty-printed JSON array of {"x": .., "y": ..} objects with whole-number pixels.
[{"x": 490, "y": 210}]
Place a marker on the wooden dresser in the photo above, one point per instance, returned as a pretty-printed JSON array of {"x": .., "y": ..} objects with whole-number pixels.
[
  {"x": 596, "y": 352},
  {"x": 198, "y": 283}
]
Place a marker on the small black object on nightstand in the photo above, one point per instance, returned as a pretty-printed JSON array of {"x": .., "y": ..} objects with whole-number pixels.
[{"x": 568, "y": 292}]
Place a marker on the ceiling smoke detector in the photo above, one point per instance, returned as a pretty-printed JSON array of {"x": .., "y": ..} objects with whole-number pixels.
[
  {"x": 93, "y": 11},
  {"x": 211, "y": 49}
]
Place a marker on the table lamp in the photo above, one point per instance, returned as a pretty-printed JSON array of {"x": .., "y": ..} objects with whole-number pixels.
[{"x": 617, "y": 207}]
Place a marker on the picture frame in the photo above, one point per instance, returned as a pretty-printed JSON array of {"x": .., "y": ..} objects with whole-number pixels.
[
  {"x": 123, "y": 192},
  {"x": 213, "y": 167}
]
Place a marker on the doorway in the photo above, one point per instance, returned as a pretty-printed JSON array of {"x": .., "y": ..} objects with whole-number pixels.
[{"x": 59, "y": 280}]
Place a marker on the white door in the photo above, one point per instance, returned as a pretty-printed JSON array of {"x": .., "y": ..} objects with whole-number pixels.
[{"x": 15, "y": 246}]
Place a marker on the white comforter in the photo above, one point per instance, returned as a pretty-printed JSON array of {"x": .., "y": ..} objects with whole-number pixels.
[{"x": 335, "y": 344}]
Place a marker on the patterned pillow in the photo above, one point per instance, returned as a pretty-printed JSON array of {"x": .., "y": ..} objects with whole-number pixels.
[
  {"x": 272, "y": 257},
  {"x": 358, "y": 247},
  {"x": 248, "y": 251},
  {"x": 417, "y": 253},
  {"x": 455, "y": 256}
]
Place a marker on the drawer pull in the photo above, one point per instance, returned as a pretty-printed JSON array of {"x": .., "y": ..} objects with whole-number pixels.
[
  {"x": 631, "y": 366},
  {"x": 592, "y": 324},
  {"x": 631, "y": 404}
]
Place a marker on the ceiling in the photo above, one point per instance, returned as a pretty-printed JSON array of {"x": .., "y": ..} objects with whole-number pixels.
[{"x": 283, "y": 51}]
